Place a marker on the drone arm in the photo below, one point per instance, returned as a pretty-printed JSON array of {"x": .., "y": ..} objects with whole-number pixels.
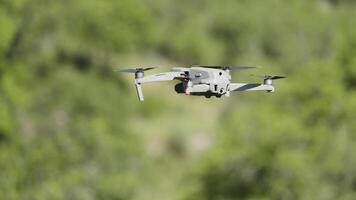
[
  {"x": 166, "y": 76},
  {"x": 250, "y": 87}
]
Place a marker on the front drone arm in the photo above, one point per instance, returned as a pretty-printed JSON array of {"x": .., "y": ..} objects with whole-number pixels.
[
  {"x": 166, "y": 76},
  {"x": 250, "y": 87}
]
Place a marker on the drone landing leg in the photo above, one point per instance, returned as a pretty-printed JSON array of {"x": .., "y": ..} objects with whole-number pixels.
[{"x": 139, "y": 91}]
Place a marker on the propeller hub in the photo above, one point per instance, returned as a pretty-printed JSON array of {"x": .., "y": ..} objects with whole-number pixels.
[
  {"x": 139, "y": 74},
  {"x": 268, "y": 81}
]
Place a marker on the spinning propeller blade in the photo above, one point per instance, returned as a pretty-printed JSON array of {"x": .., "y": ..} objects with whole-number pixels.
[
  {"x": 268, "y": 80},
  {"x": 134, "y": 70},
  {"x": 240, "y": 67},
  {"x": 237, "y": 67},
  {"x": 273, "y": 77},
  {"x": 265, "y": 77}
]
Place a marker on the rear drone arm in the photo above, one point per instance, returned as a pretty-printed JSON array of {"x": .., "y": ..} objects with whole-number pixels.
[{"x": 250, "y": 87}]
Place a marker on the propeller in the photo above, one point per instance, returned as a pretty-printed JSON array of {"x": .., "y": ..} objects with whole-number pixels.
[
  {"x": 134, "y": 70},
  {"x": 237, "y": 67},
  {"x": 268, "y": 79},
  {"x": 265, "y": 77},
  {"x": 139, "y": 73}
]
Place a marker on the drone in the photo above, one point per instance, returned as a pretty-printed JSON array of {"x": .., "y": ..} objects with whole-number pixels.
[{"x": 205, "y": 81}]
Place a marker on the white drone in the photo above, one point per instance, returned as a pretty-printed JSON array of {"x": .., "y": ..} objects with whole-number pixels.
[{"x": 201, "y": 80}]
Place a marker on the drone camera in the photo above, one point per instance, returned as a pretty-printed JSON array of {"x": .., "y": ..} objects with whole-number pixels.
[{"x": 179, "y": 88}]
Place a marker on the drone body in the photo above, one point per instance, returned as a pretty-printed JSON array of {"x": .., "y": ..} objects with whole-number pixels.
[{"x": 201, "y": 80}]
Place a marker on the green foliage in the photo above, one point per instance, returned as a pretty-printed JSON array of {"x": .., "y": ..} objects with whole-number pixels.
[{"x": 70, "y": 128}]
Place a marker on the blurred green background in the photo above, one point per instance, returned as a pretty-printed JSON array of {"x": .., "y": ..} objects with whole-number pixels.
[{"x": 71, "y": 128}]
